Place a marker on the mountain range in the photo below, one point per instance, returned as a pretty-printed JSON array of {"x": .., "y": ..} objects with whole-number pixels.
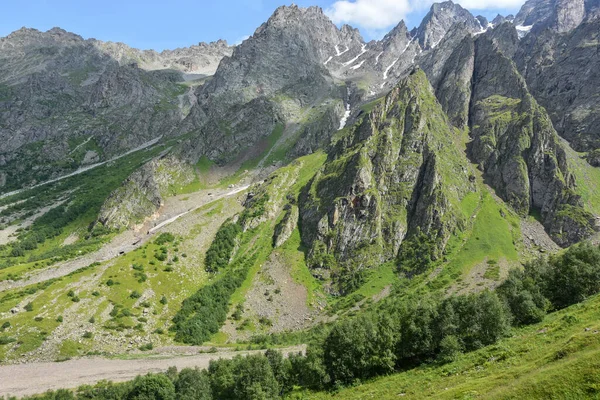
[{"x": 438, "y": 157}]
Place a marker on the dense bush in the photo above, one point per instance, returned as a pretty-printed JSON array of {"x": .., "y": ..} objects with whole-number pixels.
[
  {"x": 417, "y": 254},
  {"x": 193, "y": 384},
  {"x": 552, "y": 283},
  {"x": 219, "y": 252},
  {"x": 360, "y": 348},
  {"x": 571, "y": 277},
  {"x": 412, "y": 330},
  {"x": 524, "y": 298},
  {"x": 203, "y": 314},
  {"x": 152, "y": 387},
  {"x": 163, "y": 238},
  {"x": 244, "y": 378}
]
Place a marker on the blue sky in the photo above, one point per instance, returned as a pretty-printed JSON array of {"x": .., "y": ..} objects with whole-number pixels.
[{"x": 159, "y": 24}]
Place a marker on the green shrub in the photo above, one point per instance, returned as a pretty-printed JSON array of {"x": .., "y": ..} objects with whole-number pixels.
[
  {"x": 193, "y": 384},
  {"x": 360, "y": 348},
  {"x": 450, "y": 349},
  {"x": 146, "y": 347},
  {"x": 6, "y": 340},
  {"x": 244, "y": 378},
  {"x": 29, "y": 307},
  {"x": 202, "y": 314},
  {"x": 417, "y": 254},
  {"x": 238, "y": 313},
  {"x": 219, "y": 252},
  {"x": 152, "y": 387},
  {"x": 164, "y": 238},
  {"x": 524, "y": 298}
]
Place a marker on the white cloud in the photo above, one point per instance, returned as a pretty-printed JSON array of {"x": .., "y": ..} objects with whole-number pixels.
[
  {"x": 380, "y": 14},
  {"x": 370, "y": 14}
]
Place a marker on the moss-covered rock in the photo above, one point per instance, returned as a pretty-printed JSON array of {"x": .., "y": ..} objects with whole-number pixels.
[{"x": 398, "y": 171}]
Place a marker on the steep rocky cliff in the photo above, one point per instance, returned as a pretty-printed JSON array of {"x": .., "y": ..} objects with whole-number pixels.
[
  {"x": 400, "y": 170},
  {"x": 513, "y": 140},
  {"x": 562, "y": 71},
  {"x": 519, "y": 151},
  {"x": 143, "y": 192}
]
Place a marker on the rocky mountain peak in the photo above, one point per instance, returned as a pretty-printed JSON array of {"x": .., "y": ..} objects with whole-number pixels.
[
  {"x": 438, "y": 21},
  {"x": 483, "y": 21},
  {"x": 286, "y": 15},
  {"x": 559, "y": 15},
  {"x": 500, "y": 19},
  {"x": 399, "y": 29},
  {"x": 351, "y": 33},
  {"x": 30, "y": 36}
]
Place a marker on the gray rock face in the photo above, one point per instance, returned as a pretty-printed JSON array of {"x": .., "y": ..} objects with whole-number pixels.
[
  {"x": 142, "y": 193},
  {"x": 563, "y": 73},
  {"x": 284, "y": 229},
  {"x": 62, "y": 97},
  {"x": 514, "y": 142},
  {"x": 499, "y": 19},
  {"x": 449, "y": 68},
  {"x": 559, "y": 15},
  {"x": 288, "y": 48},
  {"x": 195, "y": 61},
  {"x": 284, "y": 59}
]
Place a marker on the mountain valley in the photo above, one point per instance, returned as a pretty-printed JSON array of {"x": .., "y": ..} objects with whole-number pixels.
[{"x": 305, "y": 184}]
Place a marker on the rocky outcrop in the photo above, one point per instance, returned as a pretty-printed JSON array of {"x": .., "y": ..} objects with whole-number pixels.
[
  {"x": 195, "y": 61},
  {"x": 449, "y": 68},
  {"x": 142, "y": 193},
  {"x": 441, "y": 17},
  {"x": 284, "y": 229},
  {"x": 396, "y": 173},
  {"x": 513, "y": 140},
  {"x": 519, "y": 151},
  {"x": 559, "y": 15}
]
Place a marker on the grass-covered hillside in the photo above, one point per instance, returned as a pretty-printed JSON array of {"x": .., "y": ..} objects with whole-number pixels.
[
  {"x": 535, "y": 337},
  {"x": 555, "y": 359}
]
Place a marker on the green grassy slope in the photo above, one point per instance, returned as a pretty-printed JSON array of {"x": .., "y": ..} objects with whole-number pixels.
[{"x": 556, "y": 359}]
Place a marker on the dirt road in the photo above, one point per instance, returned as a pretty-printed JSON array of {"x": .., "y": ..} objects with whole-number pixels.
[
  {"x": 27, "y": 379},
  {"x": 86, "y": 168},
  {"x": 129, "y": 240}
]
